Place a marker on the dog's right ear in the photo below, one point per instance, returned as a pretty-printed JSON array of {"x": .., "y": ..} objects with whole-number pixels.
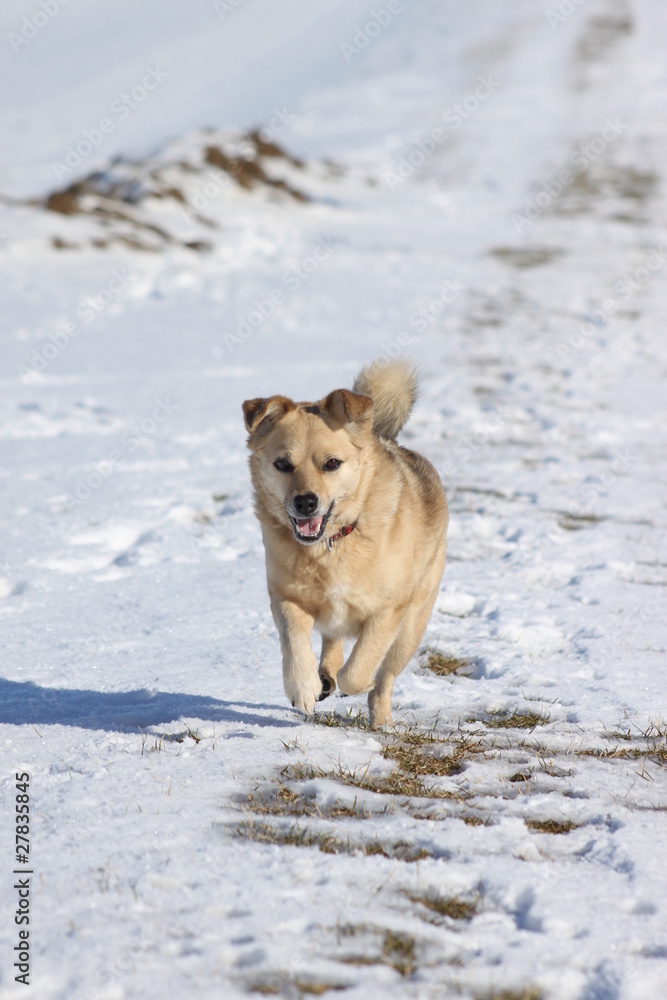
[{"x": 261, "y": 415}]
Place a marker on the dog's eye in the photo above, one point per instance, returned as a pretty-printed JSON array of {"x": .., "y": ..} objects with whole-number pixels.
[
  {"x": 282, "y": 465},
  {"x": 332, "y": 465}
]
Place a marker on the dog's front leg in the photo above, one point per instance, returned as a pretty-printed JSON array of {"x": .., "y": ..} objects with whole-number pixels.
[
  {"x": 377, "y": 635},
  {"x": 300, "y": 677}
]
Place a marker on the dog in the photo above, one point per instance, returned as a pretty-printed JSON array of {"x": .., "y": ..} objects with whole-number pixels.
[{"x": 354, "y": 528}]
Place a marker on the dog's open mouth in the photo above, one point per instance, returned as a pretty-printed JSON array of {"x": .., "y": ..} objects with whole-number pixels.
[{"x": 310, "y": 529}]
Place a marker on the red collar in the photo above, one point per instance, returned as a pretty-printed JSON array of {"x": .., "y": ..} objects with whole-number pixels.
[{"x": 343, "y": 533}]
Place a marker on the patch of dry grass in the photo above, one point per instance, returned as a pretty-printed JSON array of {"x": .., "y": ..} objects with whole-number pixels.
[
  {"x": 658, "y": 755},
  {"x": 526, "y": 257},
  {"x": 403, "y": 785},
  {"x": 399, "y": 951},
  {"x": 575, "y": 522},
  {"x": 653, "y": 746},
  {"x": 412, "y": 761},
  {"x": 284, "y": 801},
  {"x": 451, "y": 907},
  {"x": 296, "y": 836},
  {"x": 283, "y": 984},
  {"x": 471, "y": 820},
  {"x": 303, "y": 772},
  {"x": 348, "y": 721},
  {"x": 442, "y": 664},
  {"x": 517, "y": 720},
  {"x": 395, "y": 783},
  {"x": 418, "y": 754},
  {"x": 551, "y": 825},
  {"x": 395, "y": 949}
]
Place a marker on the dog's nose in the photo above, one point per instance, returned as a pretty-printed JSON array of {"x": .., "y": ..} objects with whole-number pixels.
[{"x": 305, "y": 504}]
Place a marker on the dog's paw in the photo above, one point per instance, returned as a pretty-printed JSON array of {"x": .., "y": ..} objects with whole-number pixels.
[
  {"x": 328, "y": 687},
  {"x": 304, "y": 693}
]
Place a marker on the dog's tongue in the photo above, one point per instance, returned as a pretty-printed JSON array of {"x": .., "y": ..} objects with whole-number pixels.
[{"x": 309, "y": 525}]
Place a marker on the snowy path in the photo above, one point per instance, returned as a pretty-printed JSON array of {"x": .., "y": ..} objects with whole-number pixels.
[{"x": 192, "y": 835}]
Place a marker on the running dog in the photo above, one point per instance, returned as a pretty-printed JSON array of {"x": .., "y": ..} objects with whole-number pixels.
[{"x": 354, "y": 528}]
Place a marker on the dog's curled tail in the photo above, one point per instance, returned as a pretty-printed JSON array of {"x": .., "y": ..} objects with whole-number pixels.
[{"x": 393, "y": 386}]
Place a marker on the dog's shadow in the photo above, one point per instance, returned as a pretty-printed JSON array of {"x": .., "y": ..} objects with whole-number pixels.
[{"x": 23, "y": 702}]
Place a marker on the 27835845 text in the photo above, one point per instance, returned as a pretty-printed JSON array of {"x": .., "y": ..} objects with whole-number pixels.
[{"x": 21, "y": 949}]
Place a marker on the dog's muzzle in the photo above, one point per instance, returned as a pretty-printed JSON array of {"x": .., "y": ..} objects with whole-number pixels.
[{"x": 310, "y": 529}]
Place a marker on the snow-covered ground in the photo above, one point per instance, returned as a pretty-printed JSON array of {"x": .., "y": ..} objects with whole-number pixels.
[{"x": 477, "y": 185}]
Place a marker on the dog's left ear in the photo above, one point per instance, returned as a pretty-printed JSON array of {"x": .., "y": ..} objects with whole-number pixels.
[
  {"x": 350, "y": 408},
  {"x": 265, "y": 412}
]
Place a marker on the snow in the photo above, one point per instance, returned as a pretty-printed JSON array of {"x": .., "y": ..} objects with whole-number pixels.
[{"x": 141, "y": 684}]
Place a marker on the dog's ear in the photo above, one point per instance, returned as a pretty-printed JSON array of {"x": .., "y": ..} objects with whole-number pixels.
[
  {"x": 261, "y": 415},
  {"x": 347, "y": 407}
]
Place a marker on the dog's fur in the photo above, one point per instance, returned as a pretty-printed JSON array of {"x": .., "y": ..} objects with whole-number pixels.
[{"x": 378, "y": 583}]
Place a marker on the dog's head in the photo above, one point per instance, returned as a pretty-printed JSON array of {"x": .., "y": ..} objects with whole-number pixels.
[{"x": 309, "y": 460}]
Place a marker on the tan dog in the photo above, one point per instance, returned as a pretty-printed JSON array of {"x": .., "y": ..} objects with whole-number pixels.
[{"x": 354, "y": 528}]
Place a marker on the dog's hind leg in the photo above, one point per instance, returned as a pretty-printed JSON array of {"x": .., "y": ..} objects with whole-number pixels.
[
  {"x": 331, "y": 660},
  {"x": 405, "y": 645},
  {"x": 376, "y": 637}
]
